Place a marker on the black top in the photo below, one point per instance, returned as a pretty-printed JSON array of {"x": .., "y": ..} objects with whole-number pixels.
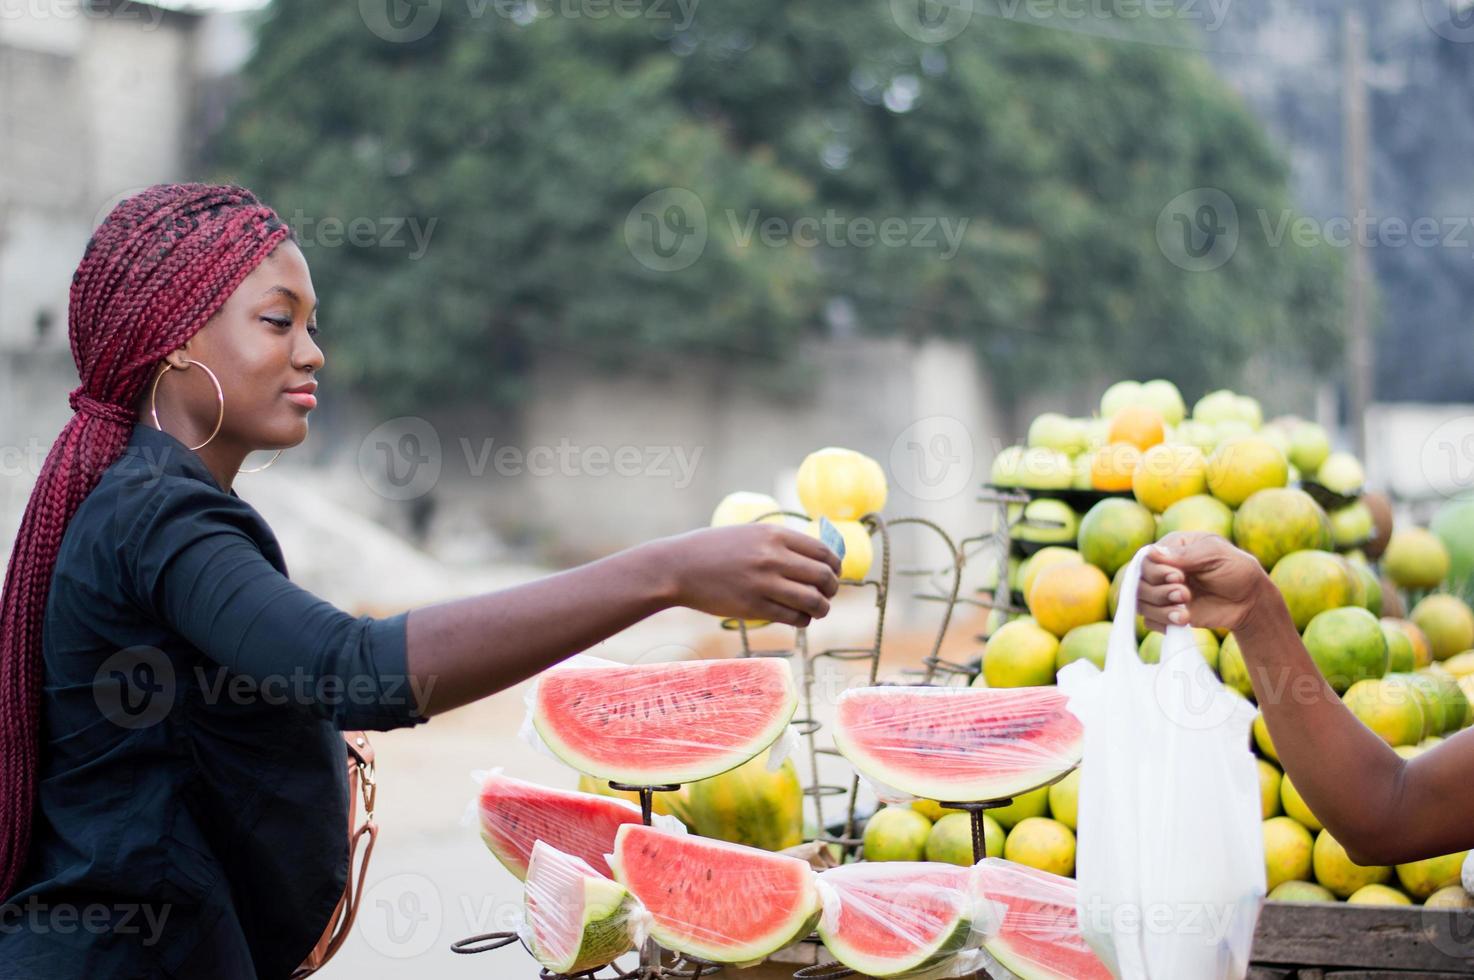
[{"x": 192, "y": 814}]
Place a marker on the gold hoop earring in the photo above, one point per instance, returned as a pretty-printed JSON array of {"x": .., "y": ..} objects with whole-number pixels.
[
  {"x": 219, "y": 393},
  {"x": 258, "y": 469}
]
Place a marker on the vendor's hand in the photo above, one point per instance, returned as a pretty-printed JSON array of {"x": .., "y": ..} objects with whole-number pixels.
[
  {"x": 1198, "y": 578},
  {"x": 755, "y": 571}
]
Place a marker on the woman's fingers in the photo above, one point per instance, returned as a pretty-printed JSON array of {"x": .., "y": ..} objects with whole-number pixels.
[
  {"x": 801, "y": 598},
  {"x": 817, "y": 574},
  {"x": 778, "y": 613},
  {"x": 810, "y": 547}
]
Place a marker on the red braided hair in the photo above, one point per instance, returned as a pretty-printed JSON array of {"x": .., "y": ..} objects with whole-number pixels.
[{"x": 158, "y": 267}]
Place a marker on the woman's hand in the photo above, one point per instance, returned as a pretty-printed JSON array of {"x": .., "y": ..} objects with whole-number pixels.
[
  {"x": 1199, "y": 578},
  {"x": 754, "y": 571}
]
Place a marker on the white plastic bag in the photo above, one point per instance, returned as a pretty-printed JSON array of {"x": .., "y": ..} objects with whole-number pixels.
[{"x": 1170, "y": 856}]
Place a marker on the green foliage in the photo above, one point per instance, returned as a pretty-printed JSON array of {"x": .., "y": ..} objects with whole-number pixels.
[{"x": 1052, "y": 151}]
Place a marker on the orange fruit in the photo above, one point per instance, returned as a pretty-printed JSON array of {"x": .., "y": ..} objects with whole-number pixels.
[
  {"x": 1114, "y": 466},
  {"x": 1069, "y": 595},
  {"x": 1140, "y": 425}
]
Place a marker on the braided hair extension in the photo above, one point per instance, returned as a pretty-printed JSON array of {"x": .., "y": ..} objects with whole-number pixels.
[{"x": 158, "y": 267}]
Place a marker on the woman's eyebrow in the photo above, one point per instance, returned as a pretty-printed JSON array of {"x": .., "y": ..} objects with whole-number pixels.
[{"x": 289, "y": 294}]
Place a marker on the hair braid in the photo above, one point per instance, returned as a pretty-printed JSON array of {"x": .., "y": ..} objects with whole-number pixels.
[{"x": 158, "y": 267}]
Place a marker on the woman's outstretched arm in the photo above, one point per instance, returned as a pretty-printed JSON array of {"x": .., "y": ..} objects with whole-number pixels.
[
  {"x": 466, "y": 649},
  {"x": 1381, "y": 808}
]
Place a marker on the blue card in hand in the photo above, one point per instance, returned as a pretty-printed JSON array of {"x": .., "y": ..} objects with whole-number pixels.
[{"x": 830, "y": 535}]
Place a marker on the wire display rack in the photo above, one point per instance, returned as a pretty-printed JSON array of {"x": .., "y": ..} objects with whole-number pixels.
[{"x": 940, "y": 585}]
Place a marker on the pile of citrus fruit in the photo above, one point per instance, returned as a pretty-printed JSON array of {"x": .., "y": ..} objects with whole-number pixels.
[{"x": 1102, "y": 488}]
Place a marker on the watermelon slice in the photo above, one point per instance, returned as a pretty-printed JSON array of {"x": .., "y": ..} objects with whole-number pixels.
[
  {"x": 515, "y": 815},
  {"x": 896, "y": 918},
  {"x": 958, "y": 744},
  {"x": 575, "y": 918},
  {"x": 1040, "y": 937},
  {"x": 653, "y": 724},
  {"x": 723, "y": 902}
]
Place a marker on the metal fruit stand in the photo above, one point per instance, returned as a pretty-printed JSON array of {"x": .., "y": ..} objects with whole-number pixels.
[{"x": 1293, "y": 941}]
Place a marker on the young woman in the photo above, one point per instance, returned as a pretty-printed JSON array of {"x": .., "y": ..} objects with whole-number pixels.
[
  {"x": 172, "y": 795},
  {"x": 1382, "y": 808}
]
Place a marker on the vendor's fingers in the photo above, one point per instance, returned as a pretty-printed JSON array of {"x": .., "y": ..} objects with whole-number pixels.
[
  {"x": 1155, "y": 572},
  {"x": 1164, "y": 595}
]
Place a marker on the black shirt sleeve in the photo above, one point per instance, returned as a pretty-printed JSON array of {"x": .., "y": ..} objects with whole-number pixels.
[{"x": 196, "y": 564}]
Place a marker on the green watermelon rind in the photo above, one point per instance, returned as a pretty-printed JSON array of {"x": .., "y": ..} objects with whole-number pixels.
[
  {"x": 803, "y": 919},
  {"x": 915, "y": 782},
  {"x": 999, "y": 949},
  {"x": 622, "y": 772},
  {"x": 604, "y": 938}
]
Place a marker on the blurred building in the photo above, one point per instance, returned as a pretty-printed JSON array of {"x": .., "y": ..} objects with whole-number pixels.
[{"x": 98, "y": 98}]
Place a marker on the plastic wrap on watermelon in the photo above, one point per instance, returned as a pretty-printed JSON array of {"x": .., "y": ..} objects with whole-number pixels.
[
  {"x": 514, "y": 814},
  {"x": 1035, "y": 930},
  {"x": 727, "y": 903},
  {"x": 912, "y": 919},
  {"x": 662, "y": 723},
  {"x": 574, "y": 918},
  {"x": 957, "y": 744}
]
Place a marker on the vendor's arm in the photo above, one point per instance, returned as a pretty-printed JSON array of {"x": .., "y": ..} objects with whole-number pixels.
[
  {"x": 1382, "y": 808},
  {"x": 466, "y": 649}
]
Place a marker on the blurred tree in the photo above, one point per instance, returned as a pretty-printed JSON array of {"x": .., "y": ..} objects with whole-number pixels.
[{"x": 1026, "y": 172}]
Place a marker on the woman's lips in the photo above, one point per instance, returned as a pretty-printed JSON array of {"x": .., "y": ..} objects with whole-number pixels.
[{"x": 302, "y": 398}]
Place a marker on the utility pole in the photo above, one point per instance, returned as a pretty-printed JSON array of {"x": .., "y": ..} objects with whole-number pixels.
[{"x": 1358, "y": 268}]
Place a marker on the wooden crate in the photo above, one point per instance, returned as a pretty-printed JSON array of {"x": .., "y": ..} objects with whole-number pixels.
[{"x": 1303, "y": 941}]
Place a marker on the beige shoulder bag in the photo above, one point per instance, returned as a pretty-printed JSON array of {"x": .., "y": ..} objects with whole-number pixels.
[{"x": 360, "y": 781}]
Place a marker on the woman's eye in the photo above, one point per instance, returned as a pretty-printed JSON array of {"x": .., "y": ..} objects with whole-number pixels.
[
  {"x": 312, "y": 331},
  {"x": 279, "y": 323}
]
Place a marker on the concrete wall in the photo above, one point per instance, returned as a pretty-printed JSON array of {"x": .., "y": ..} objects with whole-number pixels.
[{"x": 92, "y": 108}]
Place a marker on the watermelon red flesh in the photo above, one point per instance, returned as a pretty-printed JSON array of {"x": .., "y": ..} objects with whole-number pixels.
[
  {"x": 723, "y": 902},
  {"x": 516, "y": 814},
  {"x": 897, "y": 918},
  {"x": 1040, "y": 937},
  {"x": 958, "y": 744},
  {"x": 653, "y": 724}
]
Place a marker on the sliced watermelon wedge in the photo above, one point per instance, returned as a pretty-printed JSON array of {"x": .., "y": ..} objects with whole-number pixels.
[
  {"x": 896, "y": 918},
  {"x": 723, "y": 902},
  {"x": 958, "y": 744},
  {"x": 653, "y": 724},
  {"x": 516, "y": 814},
  {"x": 575, "y": 918},
  {"x": 1040, "y": 936}
]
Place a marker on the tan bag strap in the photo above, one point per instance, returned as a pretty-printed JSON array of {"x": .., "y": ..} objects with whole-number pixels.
[{"x": 361, "y": 783}]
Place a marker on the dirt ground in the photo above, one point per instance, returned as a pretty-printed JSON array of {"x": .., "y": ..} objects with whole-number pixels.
[{"x": 432, "y": 881}]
